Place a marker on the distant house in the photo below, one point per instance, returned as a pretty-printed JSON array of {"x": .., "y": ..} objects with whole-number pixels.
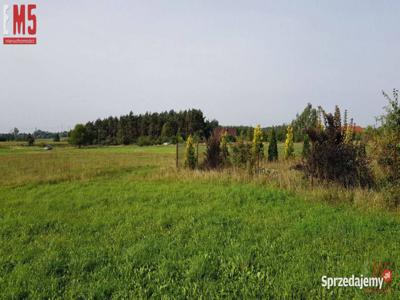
[
  {"x": 219, "y": 131},
  {"x": 358, "y": 129}
]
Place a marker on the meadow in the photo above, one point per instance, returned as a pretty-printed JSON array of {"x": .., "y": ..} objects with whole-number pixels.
[{"x": 122, "y": 222}]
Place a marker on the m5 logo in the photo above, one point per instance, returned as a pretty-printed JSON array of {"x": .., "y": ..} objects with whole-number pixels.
[{"x": 23, "y": 22}]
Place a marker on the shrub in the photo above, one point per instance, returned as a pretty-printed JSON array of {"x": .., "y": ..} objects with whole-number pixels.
[
  {"x": 257, "y": 146},
  {"x": 30, "y": 139},
  {"x": 331, "y": 159},
  {"x": 273, "y": 147},
  {"x": 289, "y": 145},
  {"x": 144, "y": 141},
  {"x": 386, "y": 143},
  {"x": 190, "y": 157},
  {"x": 386, "y": 148},
  {"x": 224, "y": 148},
  {"x": 391, "y": 194},
  {"x": 241, "y": 153},
  {"x": 213, "y": 157}
]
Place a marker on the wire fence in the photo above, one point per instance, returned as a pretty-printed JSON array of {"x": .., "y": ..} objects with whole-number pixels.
[
  {"x": 257, "y": 165},
  {"x": 180, "y": 154}
]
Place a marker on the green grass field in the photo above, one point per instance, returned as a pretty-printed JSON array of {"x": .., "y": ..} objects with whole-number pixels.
[{"x": 121, "y": 222}]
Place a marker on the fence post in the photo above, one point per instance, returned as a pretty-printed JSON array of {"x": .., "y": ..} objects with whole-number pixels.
[
  {"x": 177, "y": 155},
  {"x": 197, "y": 154}
]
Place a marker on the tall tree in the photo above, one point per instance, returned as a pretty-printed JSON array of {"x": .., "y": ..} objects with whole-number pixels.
[
  {"x": 15, "y": 132},
  {"x": 306, "y": 120},
  {"x": 154, "y": 127},
  {"x": 166, "y": 132},
  {"x": 77, "y": 135}
]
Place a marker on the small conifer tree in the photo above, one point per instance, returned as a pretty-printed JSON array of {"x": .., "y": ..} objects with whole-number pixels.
[
  {"x": 337, "y": 117},
  {"x": 213, "y": 159},
  {"x": 241, "y": 153},
  {"x": 289, "y": 145},
  {"x": 257, "y": 146},
  {"x": 273, "y": 147},
  {"x": 190, "y": 157}
]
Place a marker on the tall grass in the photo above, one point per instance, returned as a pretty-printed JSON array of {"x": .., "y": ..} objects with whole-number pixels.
[{"x": 122, "y": 222}]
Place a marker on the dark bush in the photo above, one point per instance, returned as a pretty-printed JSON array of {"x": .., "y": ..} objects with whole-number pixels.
[
  {"x": 333, "y": 159},
  {"x": 241, "y": 154},
  {"x": 56, "y": 138},
  {"x": 273, "y": 147},
  {"x": 213, "y": 156},
  {"x": 306, "y": 147},
  {"x": 30, "y": 139},
  {"x": 145, "y": 141}
]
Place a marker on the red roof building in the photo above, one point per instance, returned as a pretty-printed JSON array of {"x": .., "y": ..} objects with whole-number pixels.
[{"x": 219, "y": 131}]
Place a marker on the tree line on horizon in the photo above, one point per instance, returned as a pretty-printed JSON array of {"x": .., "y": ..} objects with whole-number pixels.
[
  {"x": 143, "y": 129},
  {"x": 16, "y": 135},
  {"x": 157, "y": 128}
]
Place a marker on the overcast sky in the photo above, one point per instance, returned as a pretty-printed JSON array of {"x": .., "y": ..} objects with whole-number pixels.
[{"x": 241, "y": 62}]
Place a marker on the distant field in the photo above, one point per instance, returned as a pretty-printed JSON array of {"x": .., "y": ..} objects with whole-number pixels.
[{"x": 121, "y": 222}]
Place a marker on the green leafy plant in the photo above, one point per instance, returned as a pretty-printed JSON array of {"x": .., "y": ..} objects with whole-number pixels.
[
  {"x": 387, "y": 140},
  {"x": 78, "y": 135},
  {"x": 333, "y": 159}
]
